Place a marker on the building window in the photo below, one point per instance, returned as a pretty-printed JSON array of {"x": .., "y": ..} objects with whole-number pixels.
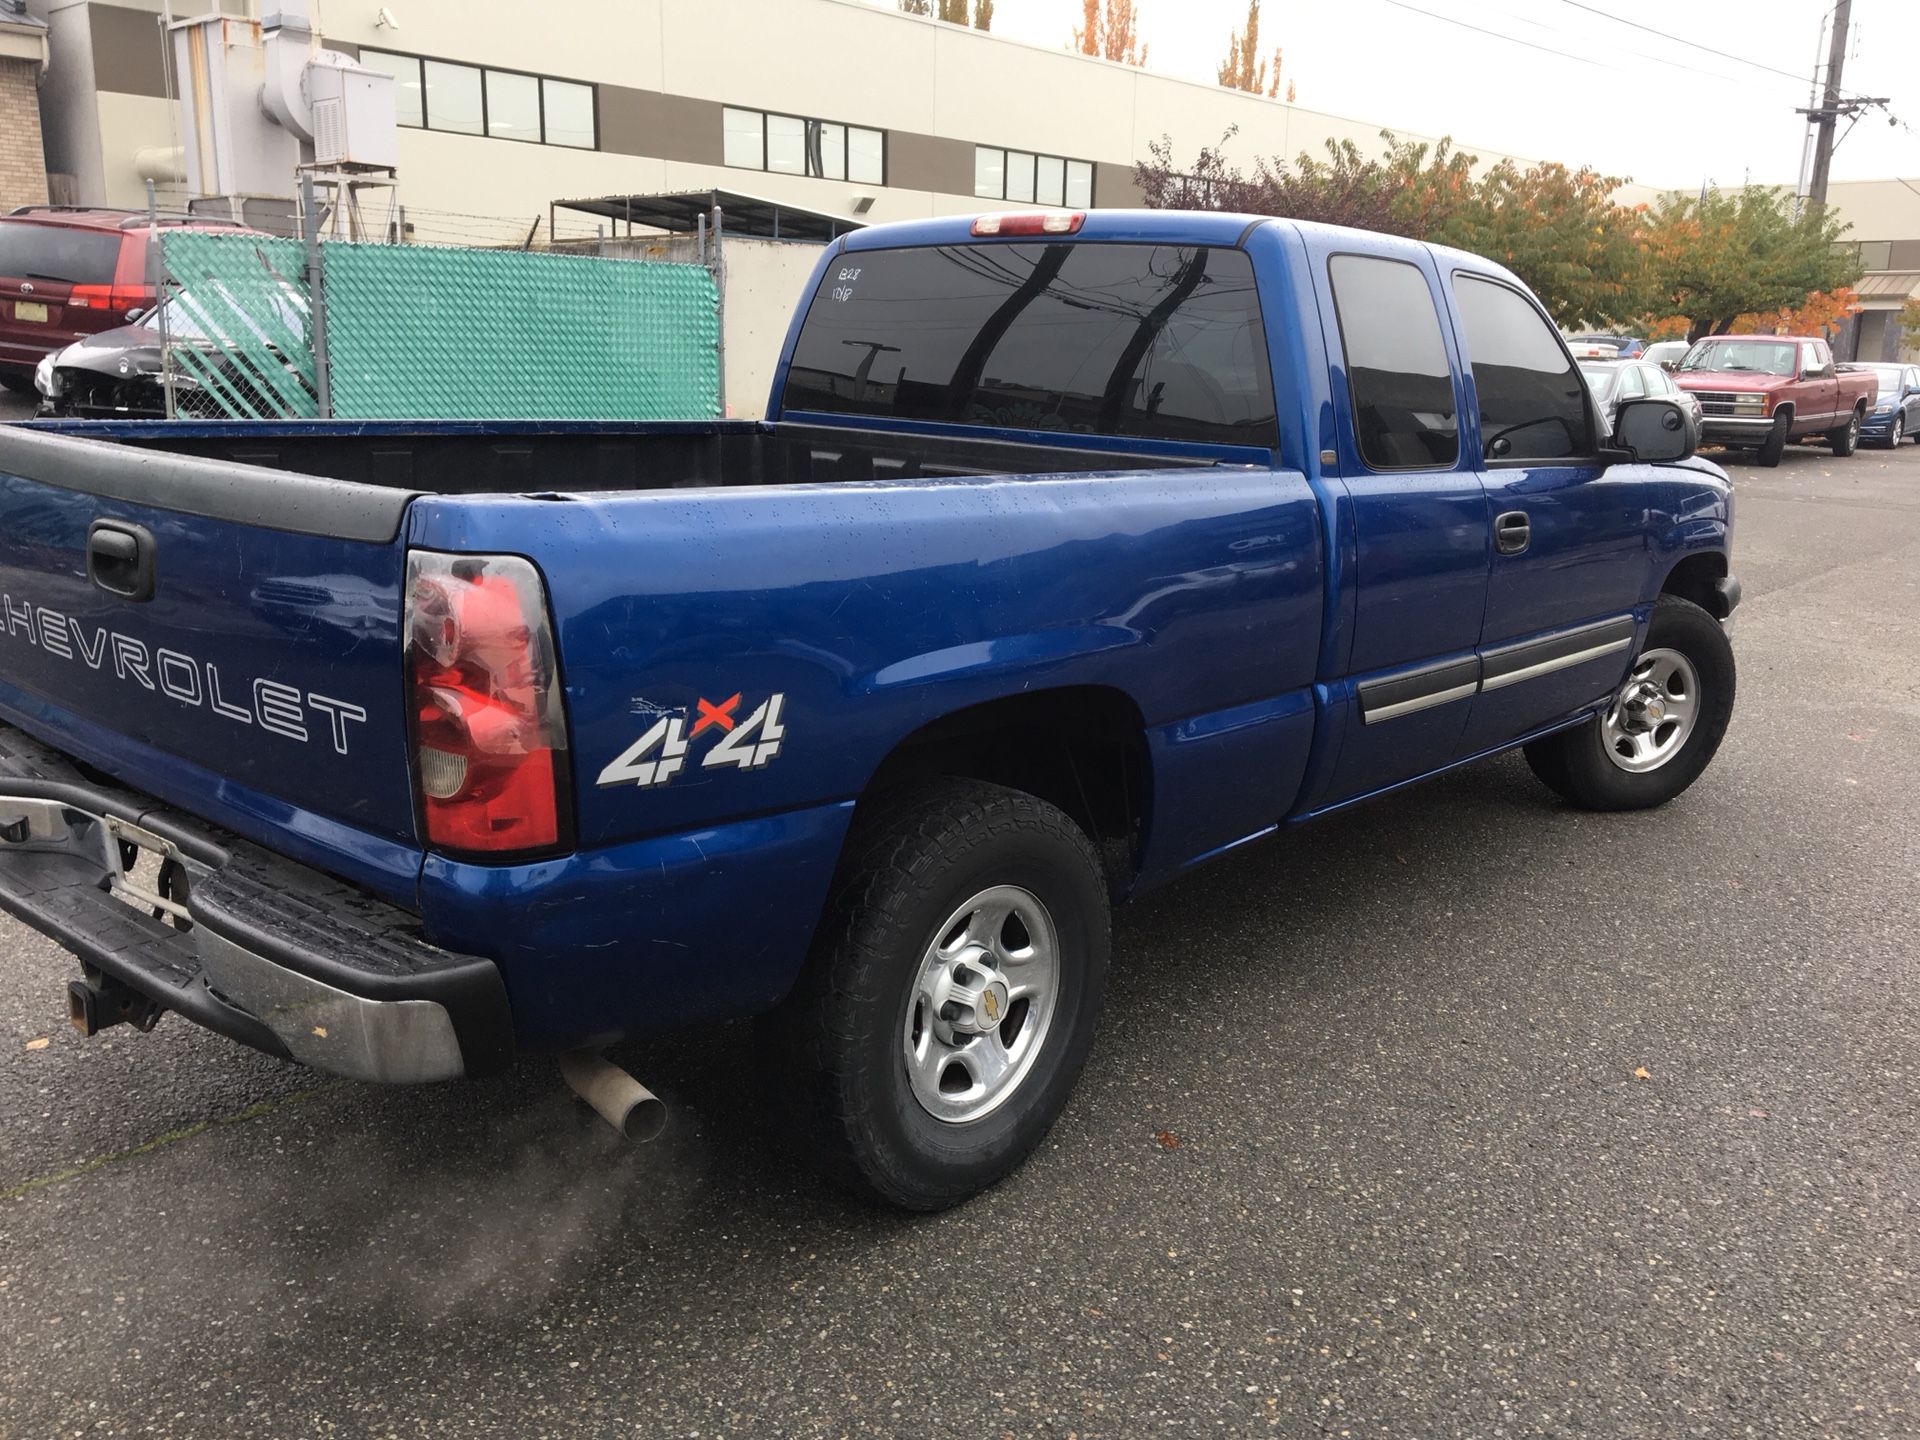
[
  {"x": 566, "y": 109},
  {"x": 513, "y": 106},
  {"x": 794, "y": 145},
  {"x": 1030, "y": 179},
  {"x": 454, "y": 99},
  {"x": 470, "y": 100},
  {"x": 409, "y": 103}
]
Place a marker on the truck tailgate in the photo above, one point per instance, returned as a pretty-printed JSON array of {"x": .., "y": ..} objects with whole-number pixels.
[{"x": 242, "y": 620}]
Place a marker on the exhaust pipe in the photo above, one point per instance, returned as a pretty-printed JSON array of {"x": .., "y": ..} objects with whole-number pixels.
[{"x": 622, "y": 1101}]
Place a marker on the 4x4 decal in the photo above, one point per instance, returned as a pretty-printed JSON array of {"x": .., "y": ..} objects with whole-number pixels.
[{"x": 661, "y": 752}]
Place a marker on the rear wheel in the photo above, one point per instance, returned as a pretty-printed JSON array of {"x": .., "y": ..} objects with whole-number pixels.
[
  {"x": 1846, "y": 439},
  {"x": 1775, "y": 445},
  {"x": 1662, "y": 727},
  {"x": 950, "y": 1000}
]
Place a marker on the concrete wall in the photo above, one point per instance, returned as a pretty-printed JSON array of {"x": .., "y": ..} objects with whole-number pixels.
[{"x": 765, "y": 282}]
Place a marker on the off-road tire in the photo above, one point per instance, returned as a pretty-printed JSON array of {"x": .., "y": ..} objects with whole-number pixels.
[
  {"x": 833, "y": 1066},
  {"x": 1575, "y": 764}
]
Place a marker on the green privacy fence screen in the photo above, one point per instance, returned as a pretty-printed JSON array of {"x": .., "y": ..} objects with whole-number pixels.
[
  {"x": 426, "y": 332},
  {"x": 238, "y": 327}
]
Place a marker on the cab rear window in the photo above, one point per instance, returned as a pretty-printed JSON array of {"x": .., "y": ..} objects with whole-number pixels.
[
  {"x": 64, "y": 254},
  {"x": 1157, "y": 341}
]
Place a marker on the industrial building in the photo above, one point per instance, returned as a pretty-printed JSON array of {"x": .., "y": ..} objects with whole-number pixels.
[{"x": 835, "y": 107}]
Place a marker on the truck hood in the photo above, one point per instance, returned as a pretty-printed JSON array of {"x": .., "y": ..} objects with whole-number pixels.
[{"x": 1731, "y": 381}]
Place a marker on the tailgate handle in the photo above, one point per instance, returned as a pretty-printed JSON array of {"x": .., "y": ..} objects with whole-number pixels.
[{"x": 120, "y": 559}]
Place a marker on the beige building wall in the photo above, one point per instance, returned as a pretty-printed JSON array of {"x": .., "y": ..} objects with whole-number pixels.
[
  {"x": 1878, "y": 209},
  {"x": 667, "y": 67}
]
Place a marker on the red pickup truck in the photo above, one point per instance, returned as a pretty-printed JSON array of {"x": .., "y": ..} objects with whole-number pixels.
[{"x": 1757, "y": 392}]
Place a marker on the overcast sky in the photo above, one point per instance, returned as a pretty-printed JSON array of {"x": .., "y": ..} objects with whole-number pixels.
[{"x": 1625, "y": 101}]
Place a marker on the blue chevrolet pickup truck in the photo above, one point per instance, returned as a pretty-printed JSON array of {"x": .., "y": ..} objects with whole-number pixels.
[{"x": 1076, "y": 550}]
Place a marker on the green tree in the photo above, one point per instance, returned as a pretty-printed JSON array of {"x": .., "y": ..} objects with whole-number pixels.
[
  {"x": 1580, "y": 251},
  {"x": 1910, "y": 325},
  {"x": 1560, "y": 230},
  {"x": 1726, "y": 254},
  {"x": 1411, "y": 189}
]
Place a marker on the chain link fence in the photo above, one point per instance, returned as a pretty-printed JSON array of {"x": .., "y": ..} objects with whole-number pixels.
[
  {"x": 236, "y": 323},
  {"x": 431, "y": 332}
]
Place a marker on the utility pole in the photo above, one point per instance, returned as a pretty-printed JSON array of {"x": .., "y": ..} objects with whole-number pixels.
[
  {"x": 1829, "y": 113},
  {"x": 1826, "y": 115}
]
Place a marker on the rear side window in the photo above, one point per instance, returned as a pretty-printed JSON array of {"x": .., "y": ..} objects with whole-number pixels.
[
  {"x": 1532, "y": 404},
  {"x": 1158, "y": 341},
  {"x": 1397, "y": 371},
  {"x": 65, "y": 254}
]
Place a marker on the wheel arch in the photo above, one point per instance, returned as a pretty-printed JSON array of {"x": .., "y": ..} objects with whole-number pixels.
[
  {"x": 1703, "y": 577},
  {"x": 1081, "y": 748}
]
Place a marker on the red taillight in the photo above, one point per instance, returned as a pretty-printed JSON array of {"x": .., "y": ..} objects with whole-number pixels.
[
  {"x": 1044, "y": 222},
  {"x": 108, "y": 297},
  {"x": 488, "y": 735}
]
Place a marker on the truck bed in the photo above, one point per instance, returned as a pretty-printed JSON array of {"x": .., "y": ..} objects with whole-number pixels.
[{"x": 527, "y": 457}]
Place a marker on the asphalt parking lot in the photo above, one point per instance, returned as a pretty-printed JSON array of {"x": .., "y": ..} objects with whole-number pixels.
[{"x": 1466, "y": 1114}]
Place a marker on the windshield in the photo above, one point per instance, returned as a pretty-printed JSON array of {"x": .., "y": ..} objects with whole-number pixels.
[
  {"x": 1887, "y": 373},
  {"x": 1763, "y": 357},
  {"x": 1602, "y": 380},
  {"x": 189, "y": 319}
]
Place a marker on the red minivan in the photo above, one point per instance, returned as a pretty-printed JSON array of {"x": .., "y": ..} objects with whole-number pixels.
[{"x": 69, "y": 271}]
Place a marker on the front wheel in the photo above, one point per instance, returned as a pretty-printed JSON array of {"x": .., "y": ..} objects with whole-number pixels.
[
  {"x": 950, "y": 1000},
  {"x": 1845, "y": 440},
  {"x": 1897, "y": 432},
  {"x": 1663, "y": 725},
  {"x": 1775, "y": 445}
]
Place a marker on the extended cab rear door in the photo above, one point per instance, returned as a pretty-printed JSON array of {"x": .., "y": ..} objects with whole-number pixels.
[
  {"x": 1418, "y": 509},
  {"x": 1819, "y": 387}
]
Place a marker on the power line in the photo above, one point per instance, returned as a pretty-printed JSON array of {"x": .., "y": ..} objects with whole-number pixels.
[
  {"x": 1677, "y": 40},
  {"x": 1568, "y": 54},
  {"x": 1510, "y": 39}
]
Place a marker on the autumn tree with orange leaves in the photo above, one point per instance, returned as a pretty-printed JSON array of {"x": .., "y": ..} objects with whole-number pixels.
[
  {"x": 1686, "y": 268},
  {"x": 1727, "y": 258},
  {"x": 1245, "y": 68},
  {"x": 1110, "y": 30},
  {"x": 1558, "y": 229}
]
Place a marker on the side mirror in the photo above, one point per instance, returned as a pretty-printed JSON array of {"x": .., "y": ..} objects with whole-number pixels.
[{"x": 1654, "y": 431}]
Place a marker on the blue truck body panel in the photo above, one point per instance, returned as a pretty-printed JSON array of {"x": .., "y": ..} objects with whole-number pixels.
[{"x": 1239, "y": 611}]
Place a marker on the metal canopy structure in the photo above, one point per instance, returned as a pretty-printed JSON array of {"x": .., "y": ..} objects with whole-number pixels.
[{"x": 684, "y": 213}]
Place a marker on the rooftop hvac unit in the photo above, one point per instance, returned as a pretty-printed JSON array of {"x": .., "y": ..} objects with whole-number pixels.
[{"x": 352, "y": 116}]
